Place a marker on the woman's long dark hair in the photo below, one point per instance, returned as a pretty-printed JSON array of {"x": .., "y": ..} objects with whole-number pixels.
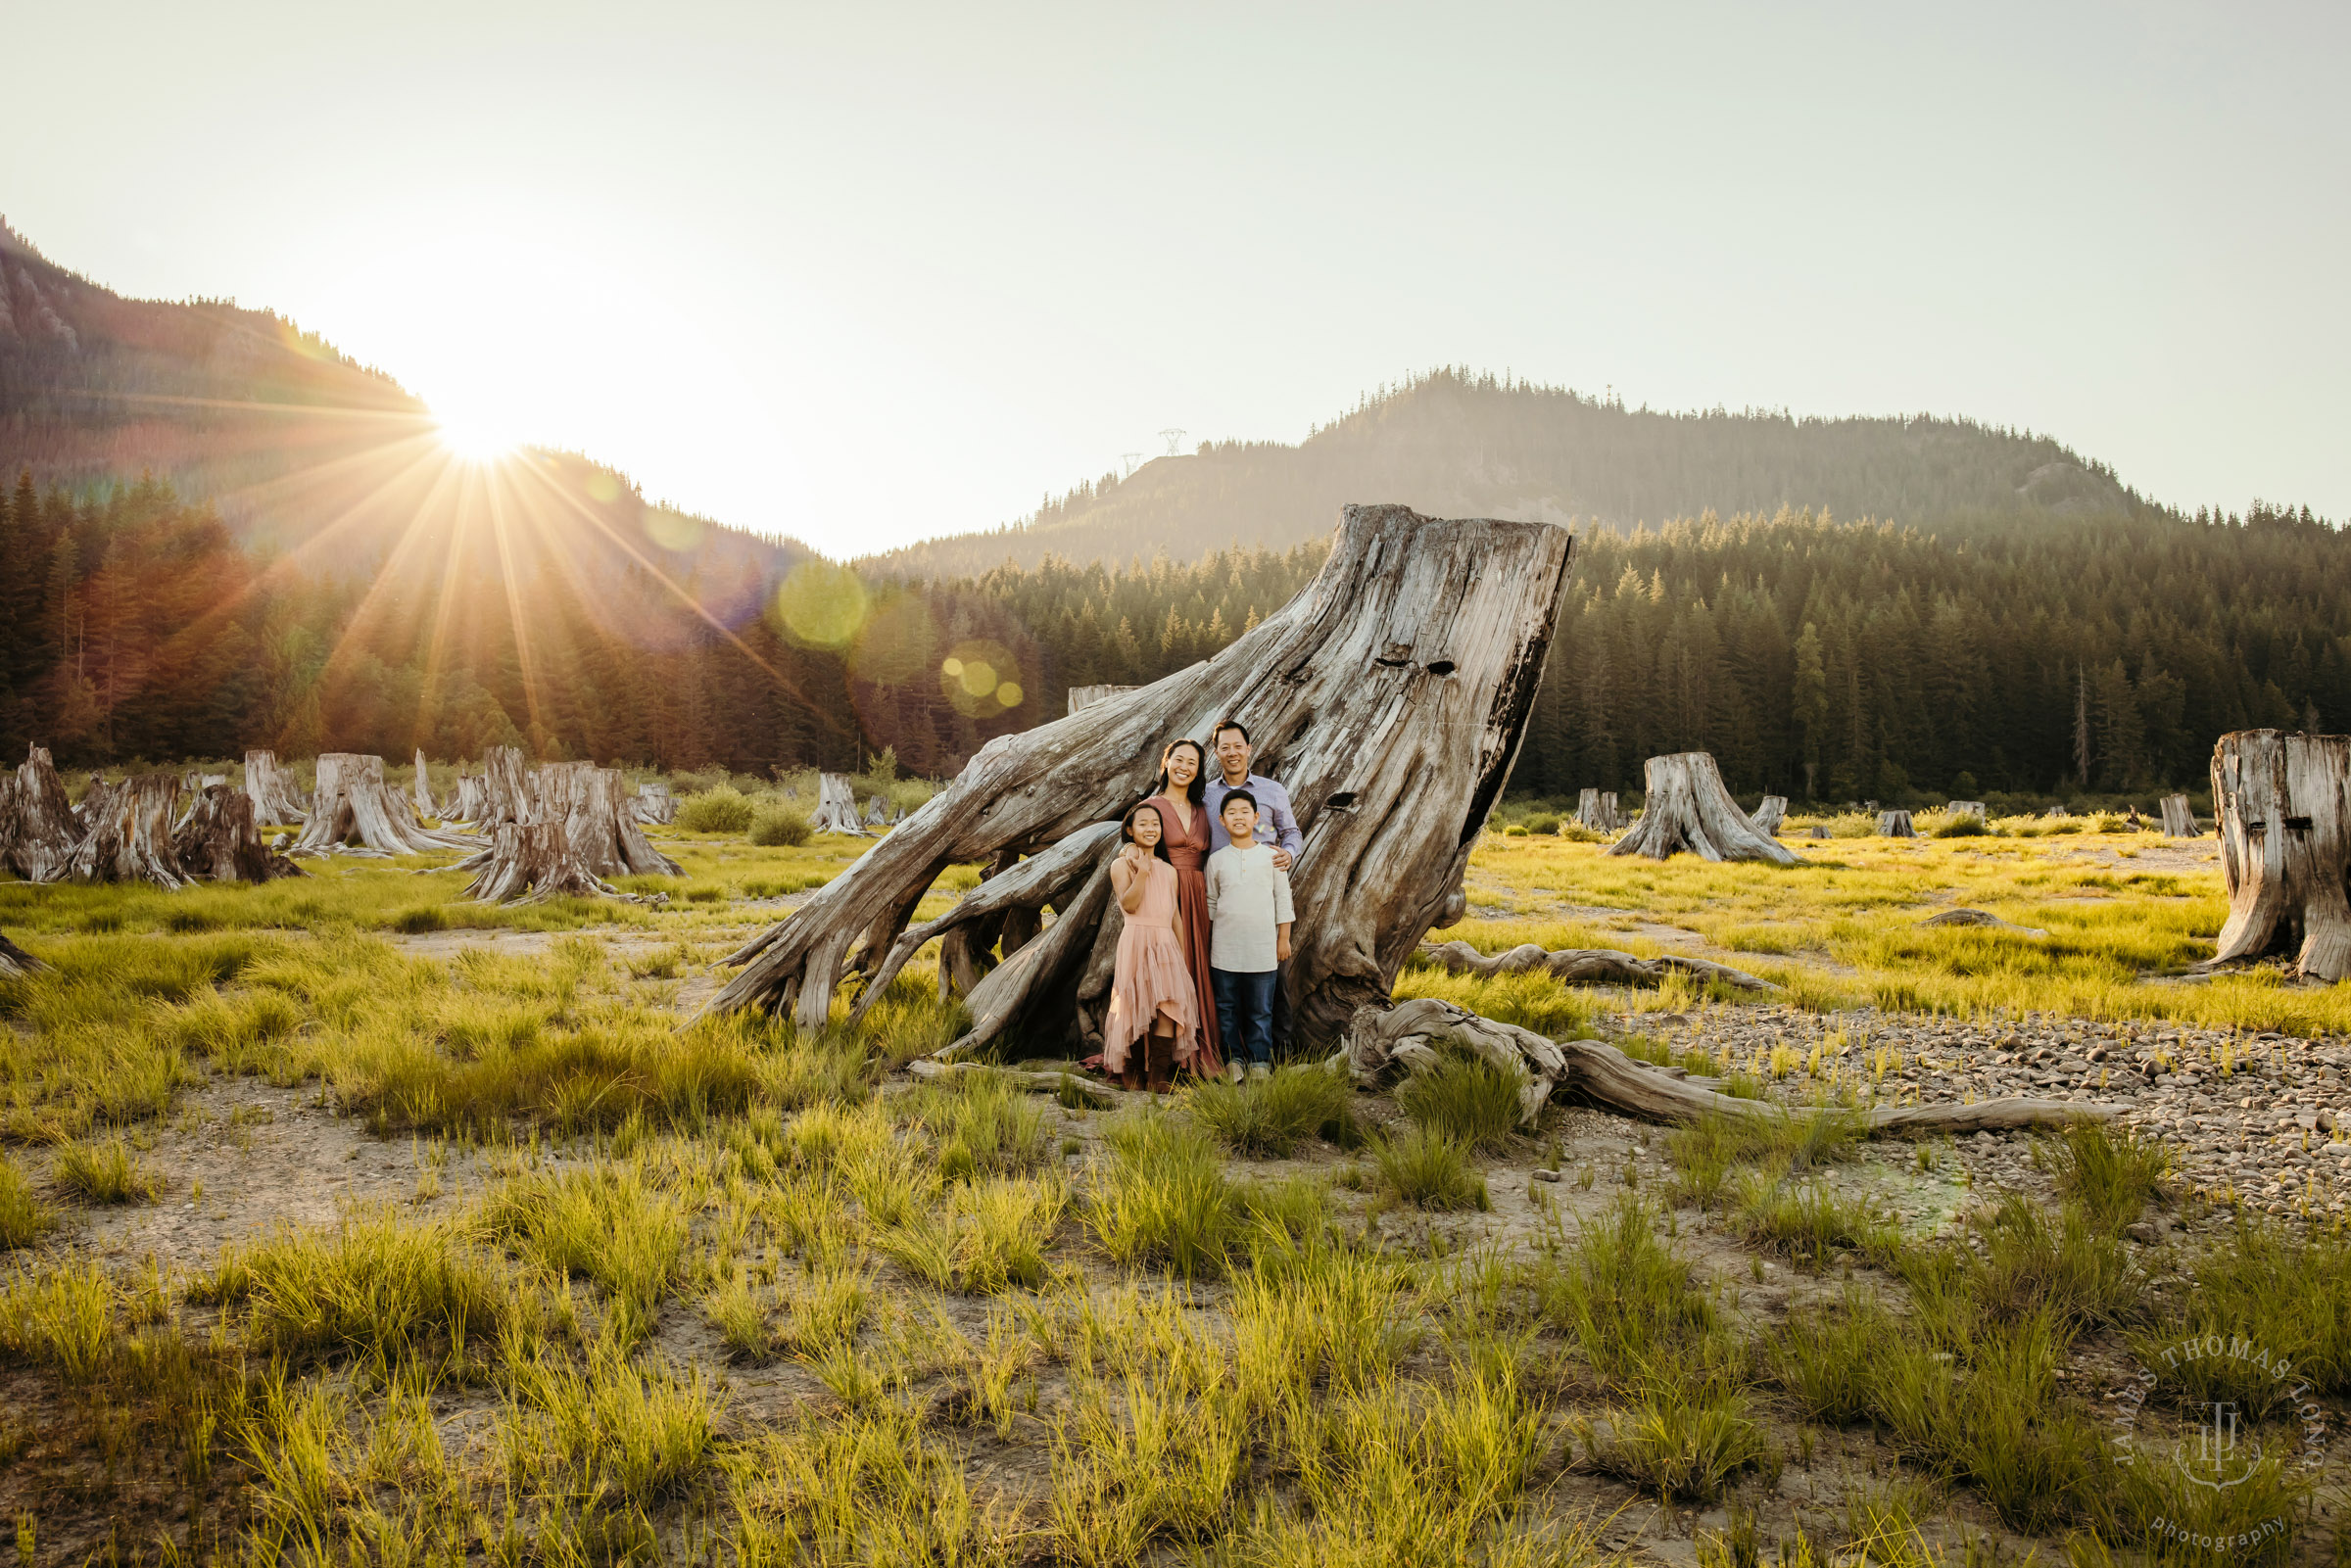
[
  {"x": 1127, "y": 829},
  {"x": 1197, "y": 792}
]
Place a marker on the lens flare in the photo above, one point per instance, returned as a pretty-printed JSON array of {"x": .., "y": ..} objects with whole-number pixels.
[
  {"x": 822, "y": 606},
  {"x": 981, "y": 678},
  {"x": 475, "y": 437}
]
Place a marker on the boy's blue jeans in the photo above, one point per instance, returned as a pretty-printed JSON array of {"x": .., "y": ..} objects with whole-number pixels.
[{"x": 1245, "y": 1013}]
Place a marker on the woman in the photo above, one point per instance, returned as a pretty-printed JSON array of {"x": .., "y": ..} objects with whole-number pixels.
[
  {"x": 1182, "y": 802},
  {"x": 1155, "y": 1010}
]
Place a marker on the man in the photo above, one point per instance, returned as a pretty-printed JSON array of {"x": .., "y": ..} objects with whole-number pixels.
[{"x": 1276, "y": 824}]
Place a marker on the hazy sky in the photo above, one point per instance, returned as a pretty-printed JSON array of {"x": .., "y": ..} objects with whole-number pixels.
[{"x": 863, "y": 273}]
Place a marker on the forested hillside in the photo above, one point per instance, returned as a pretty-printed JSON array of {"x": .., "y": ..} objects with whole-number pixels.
[{"x": 1457, "y": 444}]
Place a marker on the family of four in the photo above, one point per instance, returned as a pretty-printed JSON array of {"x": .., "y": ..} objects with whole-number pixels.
[{"x": 1204, "y": 881}]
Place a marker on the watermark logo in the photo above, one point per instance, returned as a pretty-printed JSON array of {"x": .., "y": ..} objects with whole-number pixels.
[{"x": 2222, "y": 1384}]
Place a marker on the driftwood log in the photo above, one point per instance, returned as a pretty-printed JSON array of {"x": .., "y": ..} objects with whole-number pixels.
[
  {"x": 1410, "y": 1035},
  {"x": 1085, "y": 696},
  {"x": 15, "y": 963},
  {"x": 38, "y": 829},
  {"x": 1770, "y": 814},
  {"x": 1896, "y": 824},
  {"x": 271, "y": 790},
  {"x": 1688, "y": 808},
  {"x": 354, "y": 808},
  {"x": 129, "y": 839},
  {"x": 219, "y": 842},
  {"x": 1586, "y": 965},
  {"x": 2179, "y": 822},
  {"x": 1390, "y": 696},
  {"x": 2286, "y": 848},
  {"x": 837, "y": 805}
]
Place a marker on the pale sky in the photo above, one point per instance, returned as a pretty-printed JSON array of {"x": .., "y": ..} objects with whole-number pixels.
[{"x": 865, "y": 273}]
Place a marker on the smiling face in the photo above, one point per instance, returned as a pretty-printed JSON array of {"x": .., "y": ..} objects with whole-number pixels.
[
  {"x": 1232, "y": 753},
  {"x": 1145, "y": 828},
  {"x": 1240, "y": 819},
  {"x": 1180, "y": 762}
]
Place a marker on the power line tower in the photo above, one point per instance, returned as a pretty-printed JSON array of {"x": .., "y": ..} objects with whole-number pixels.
[
  {"x": 1128, "y": 460},
  {"x": 1175, "y": 440}
]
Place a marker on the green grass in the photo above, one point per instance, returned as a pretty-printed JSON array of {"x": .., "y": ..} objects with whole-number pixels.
[
  {"x": 1272, "y": 1117},
  {"x": 105, "y": 1172},
  {"x": 1429, "y": 1170},
  {"x": 24, "y": 1218},
  {"x": 1465, "y": 1098}
]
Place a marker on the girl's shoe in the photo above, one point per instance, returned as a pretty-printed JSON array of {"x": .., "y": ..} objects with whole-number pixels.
[
  {"x": 1234, "y": 1071},
  {"x": 1260, "y": 1070}
]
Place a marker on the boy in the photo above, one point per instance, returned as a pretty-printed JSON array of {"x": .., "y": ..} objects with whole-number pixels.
[{"x": 1249, "y": 935}]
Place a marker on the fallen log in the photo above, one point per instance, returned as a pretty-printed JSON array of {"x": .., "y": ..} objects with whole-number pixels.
[
  {"x": 38, "y": 829},
  {"x": 271, "y": 790},
  {"x": 2286, "y": 848},
  {"x": 129, "y": 836},
  {"x": 1098, "y": 1094},
  {"x": 1688, "y": 808},
  {"x": 1390, "y": 696},
  {"x": 15, "y": 963},
  {"x": 1410, "y": 1037},
  {"x": 1587, "y": 966},
  {"x": 219, "y": 842},
  {"x": 1085, "y": 696},
  {"x": 353, "y": 807}
]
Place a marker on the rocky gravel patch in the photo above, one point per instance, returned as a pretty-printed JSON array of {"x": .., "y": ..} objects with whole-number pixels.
[{"x": 2263, "y": 1118}]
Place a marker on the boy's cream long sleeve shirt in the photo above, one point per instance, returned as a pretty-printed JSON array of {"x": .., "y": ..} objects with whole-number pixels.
[{"x": 1247, "y": 898}]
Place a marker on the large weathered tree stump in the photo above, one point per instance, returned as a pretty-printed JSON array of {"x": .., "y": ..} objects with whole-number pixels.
[
  {"x": 2286, "y": 848},
  {"x": 837, "y": 805},
  {"x": 505, "y": 787},
  {"x": 1389, "y": 696},
  {"x": 1770, "y": 815},
  {"x": 654, "y": 802},
  {"x": 529, "y": 862},
  {"x": 218, "y": 841},
  {"x": 1688, "y": 808},
  {"x": 1410, "y": 1035},
  {"x": 38, "y": 829},
  {"x": 271, "y": 790},
  {"x": 2179, "y": 822},
  {"x": 604, "y": 831},
  {"x": 600, "y": 838},
  {"x": 129, "y": 836},
  {"x": 354, "y": 808},
  {"x": 1896, "y": 824}
]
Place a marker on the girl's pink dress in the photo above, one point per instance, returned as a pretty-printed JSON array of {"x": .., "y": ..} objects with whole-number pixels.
[{"x": 1151, "y": 977}]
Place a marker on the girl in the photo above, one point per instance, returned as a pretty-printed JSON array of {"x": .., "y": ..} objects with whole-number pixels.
[
  {"x": 1154, "y": 1007},
  {"x": 1183, "y": 800}
]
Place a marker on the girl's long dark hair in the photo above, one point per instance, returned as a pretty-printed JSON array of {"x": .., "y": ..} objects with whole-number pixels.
[
  {"x": 1197, "y": 790},
  {"x": 1127, "y": 829}
]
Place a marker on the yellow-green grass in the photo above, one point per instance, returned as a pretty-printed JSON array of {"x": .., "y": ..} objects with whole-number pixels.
[{"x": 1843, "y": 928}]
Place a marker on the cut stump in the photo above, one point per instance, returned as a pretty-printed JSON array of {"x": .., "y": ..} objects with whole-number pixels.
[
  {"x": 530, "y": 862},
  {"x": 15, "y": 963},
  {"x": 1896, "y": 824},
  {"x": 505, "y": 787},
  {"x": 421, "y": 789},
  {"x": 1770, "y": 815},
  {"x": 219, "y": 840},
  {"x": 1085, "y": 696},
  {"x": 654, "y": 803},
  {"x": 1965, "y": 808},
  {"x": 129, "y": 836},
  {"x": 1390, "y": 696},
  {"x": 837, "y": 805},
  {"x": 2285, "y": 847},
  {"x": 38, "y": 828},
  {"x": 2179, "y": 822},
  {"x": 273, "y": 792},
  {"x": 1688, "y": 808},
  {"x": 353, "y": 808}
]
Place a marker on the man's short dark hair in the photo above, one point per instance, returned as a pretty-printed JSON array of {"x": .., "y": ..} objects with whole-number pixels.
[
  {"x": 1229, "y": 724},
  {"x": 1238, "y": 795}
]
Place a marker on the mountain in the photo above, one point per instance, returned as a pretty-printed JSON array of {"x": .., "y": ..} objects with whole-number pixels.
[{"x": 1457, "y": 444}]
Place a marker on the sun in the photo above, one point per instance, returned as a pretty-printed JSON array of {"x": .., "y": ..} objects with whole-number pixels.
[{"x": 475, "y": 437}]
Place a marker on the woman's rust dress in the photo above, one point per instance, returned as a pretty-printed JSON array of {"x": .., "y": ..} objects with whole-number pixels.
[{"x": 1189, "y": 853}]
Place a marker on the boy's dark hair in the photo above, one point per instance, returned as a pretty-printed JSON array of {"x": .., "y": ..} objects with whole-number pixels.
[
  {"x": 1229, "y": 724},
  {"x": 1238, "y": 795}
]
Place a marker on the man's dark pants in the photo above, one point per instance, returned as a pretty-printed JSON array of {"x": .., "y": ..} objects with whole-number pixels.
[{"x": 1245, "y": 1012}]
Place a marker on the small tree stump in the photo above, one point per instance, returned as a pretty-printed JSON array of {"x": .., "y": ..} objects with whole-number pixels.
[
  {"x": 2286, "y": 848},
  {"x": 421, "y": 789},
  {"x": 1771, "y": 814},
  {"x": 2179, "y": 822},
  {"x": 530, "y": 862},
  {"x": 130, "y": 836},
  {"x": 1965, "y": 808},
  {"x": 472, "y": 801},
  {"x": 2054, "y": 812},
  {"x": 604, "y": 831},
  {"x": 38, "y": 828},
  {"x": 1688, "y": 808},
  {"x": 1896, "y": 824},
  {"x": 1085, "y": 696},
  {"x": 654, "y": 802},
  {"x": 271, "y": 790},
  {"x": 353, "y": 808},
  {"x": 877, "y": 813},
  {"x": 219, "y": 842},
  {"x": 836, "y": 806}
]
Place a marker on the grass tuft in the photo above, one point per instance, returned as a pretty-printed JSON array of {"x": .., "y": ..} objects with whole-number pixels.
[
  {"x": 1429, "y": 1170},
  {"x": 1465, "y": 1098},
  {"x": 1271, "y": 1117},
  {"x": 105, "y": 1172}
]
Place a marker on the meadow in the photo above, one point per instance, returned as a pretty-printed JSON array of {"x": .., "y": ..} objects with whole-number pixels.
[{"x": 347, "y": 1222}]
